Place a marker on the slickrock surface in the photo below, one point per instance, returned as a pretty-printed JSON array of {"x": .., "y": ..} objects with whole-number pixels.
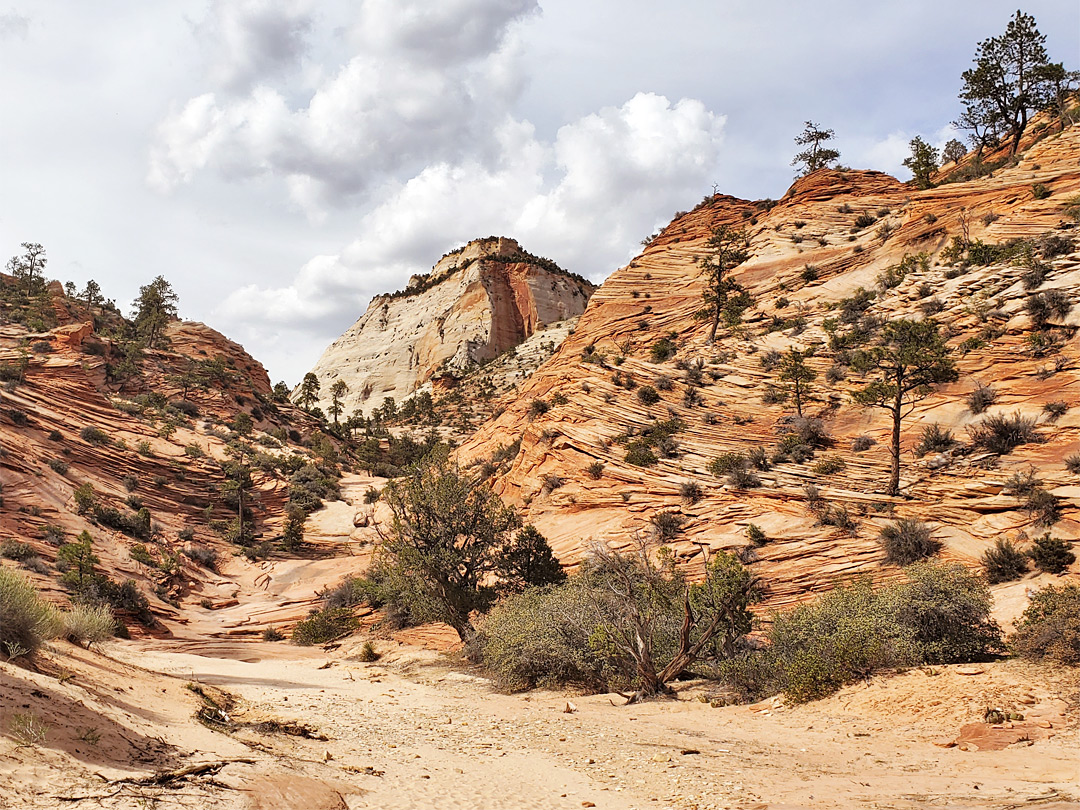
[
  {"x": 657, "y": 294},
  {"x": 474, "y": 305}
]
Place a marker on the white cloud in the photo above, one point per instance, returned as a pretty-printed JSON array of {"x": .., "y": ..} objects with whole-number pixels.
[
  {"x": 14, "y": 26},
  {"x": 426, "y": 84},
  {"x": 582, "y": 200}
]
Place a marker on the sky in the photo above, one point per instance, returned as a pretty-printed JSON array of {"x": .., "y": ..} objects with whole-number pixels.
[{"x": 280, "y": 162}]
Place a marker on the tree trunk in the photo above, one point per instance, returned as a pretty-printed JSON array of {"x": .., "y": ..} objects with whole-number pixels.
[
  {"x": 715, "y": 321},
  {"x": 894, "y": 474}
]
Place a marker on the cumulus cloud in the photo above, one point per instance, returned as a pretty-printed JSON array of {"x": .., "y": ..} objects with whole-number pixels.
[
  {"x": 582, "y": 199},
  {"x": 426, "y": 84}
]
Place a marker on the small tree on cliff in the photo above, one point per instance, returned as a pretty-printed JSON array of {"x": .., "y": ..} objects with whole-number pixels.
[
  {"x": 909, "y": 360},
  {"x": 797, "y": 375},
  {"x": 815, "y": 156},
  {"x": 28, "y": 266},
  {"x": 729, "y": 247},
  {"x": 154, "y": 308},
  {"x": 953, "y": 152},
  {"x": 923, "y": 162}
]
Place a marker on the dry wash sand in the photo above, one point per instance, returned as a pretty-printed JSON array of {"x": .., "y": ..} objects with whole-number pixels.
[{"x": 410, "y": 731}]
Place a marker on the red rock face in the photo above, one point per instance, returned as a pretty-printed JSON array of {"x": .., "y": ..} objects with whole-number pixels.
[{"x": 983, "y": 308}]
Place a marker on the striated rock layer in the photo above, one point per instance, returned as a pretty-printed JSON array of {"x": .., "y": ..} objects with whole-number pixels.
[
  {"x": 570, "y": 476},
  {"x": 475, "y": 304}
]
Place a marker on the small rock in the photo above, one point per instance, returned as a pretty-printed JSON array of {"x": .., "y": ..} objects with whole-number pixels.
[
  {"x": 968, "y": 746},
  {"x": 588, "y": 804},
  {"x": 944, "y": 742},
  {"x": 327, "y": 756},
  {"x": 970, "y": 670},
  {"x": 570, "y": 708}
]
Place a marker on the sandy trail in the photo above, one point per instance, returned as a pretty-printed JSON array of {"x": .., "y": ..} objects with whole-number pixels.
[{"x": 446, "y": 739}]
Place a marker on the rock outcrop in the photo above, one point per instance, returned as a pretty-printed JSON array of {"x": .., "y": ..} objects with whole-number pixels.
[
  {"x": 833, "y": 233},
  {"x": 475, "y": 304}
]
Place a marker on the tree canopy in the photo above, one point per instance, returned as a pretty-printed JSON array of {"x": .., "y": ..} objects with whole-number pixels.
[{"x": 1012, "y": 78}]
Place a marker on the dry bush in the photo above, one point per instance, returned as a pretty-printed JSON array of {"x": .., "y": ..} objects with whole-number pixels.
[
  {"x": 908, "y": 541},
  {"x": 26, "y": 620}
]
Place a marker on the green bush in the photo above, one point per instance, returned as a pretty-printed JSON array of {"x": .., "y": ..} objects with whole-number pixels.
[
  {"x": 934, "y": 439},
  {"x": 1004, "y": 562},
  {"x": 982, "y": 397},
  {"x": 640, "y": 454},
  {"x": 647, "y": 395},
  {"x": 726, "y": 463},
  {"x": 88, "y": 624},
  {"x": 1001, "y": 434},
  {"x": 1050, "y": 626},
  {"x": 940, "y": 615},
  {"x": 26, "y": 620},
  {"x": 662, "y": 350},
  {"x": 907, "y": 541},
  {"x": 322, "y": 626},
  {"x": 1051, "y": 554},
  {"x": 94, "y": 435}
]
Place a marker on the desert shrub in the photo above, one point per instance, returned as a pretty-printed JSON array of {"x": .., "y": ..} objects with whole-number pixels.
[
  {"x": 982, "y": 397},
  {"x": 322, "y": 626},
  {"x": 26, "y": 620},
  {"x": 691, "y": 491},
  {"x": 194, "y": 450},
  {"x": 94, "y": 435},
  {"x": 931, "y": 306},
  {"x": 189, "y": 409},
  {"x": 907, "y": 541},
  {"x": 1056, "y": 409},
  {"x": 1045, "y": 306},
  {"x": 662, "y": 350},
  {"x": 758, "y": 458},
  {"x": 647, "y": 395},
  {"x": 1034, "y": 276},
  {"x": 1000, "y": 434},
  {"x": 130, "y": 482},
  {"x": 756, "y": 535},
  {"x": 53, "y": 534},
  {"x": 143, "y": 448},
  {"x": 1050, "y": 626},
  {"x": 368, "y": 653},
  {"x": 726, "y": 463},
  {"x": 663, "y": 383},
  {"x": 1039, "y": 191},
  {"x": 804, "y": 430},
  {"x": 141, "y": 554},
  {"x": 1051, "y": 554},
  {"x": 538, "y": 407},
  {"x": 640, "y": 454},
  {"x": 14, "y": 550},
  {"x": 1004, "y": 562},
  {"x": 742, "y": 478},
  {"x": 1022, "y": 483},
  {"x": 541, "y": 638},
  {"x": 88, "y": 624},
  {"x": 206, "y": 557},
  {"x": 934, "y": 439},
  {"x": 668, "y": 523},
  {"x": 829, "y": 466},
  {"x": 551, "y": 481},
  {"x": 311, "y": 484},
  {"x": 58, "y": 466},
  {"x": 862, "y": 443},
  {"x": 1043, "y": 507},
  {"x": 864, "y": 220},
  {"x": 595, "y": 470},
  {"x": 941, "y": 614},
  {"x": 272, "y": 634},
  {"x": 1072, "y": 463}
]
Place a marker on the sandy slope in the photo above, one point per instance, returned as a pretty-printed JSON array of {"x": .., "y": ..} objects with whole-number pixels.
[{"x": 410, "y": 731}]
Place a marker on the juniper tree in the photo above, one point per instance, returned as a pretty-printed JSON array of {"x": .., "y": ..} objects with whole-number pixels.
[
  {"x": 30, "y": 264},
  {"x": 953, "y": 152},
  {"x": 909, "y": 359}
]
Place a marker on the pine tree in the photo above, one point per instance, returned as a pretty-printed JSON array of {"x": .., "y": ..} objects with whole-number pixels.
[
  {"x": 155, "y": 307},
  {"x": 909, "y": 360},
  {"x": 815, "y": 157},
  {"x": 923, "y": 162},
  {"x": 797, "y": 375},
  {"x": 309, "y": 391},
  {"x": 723, "y": 296}
]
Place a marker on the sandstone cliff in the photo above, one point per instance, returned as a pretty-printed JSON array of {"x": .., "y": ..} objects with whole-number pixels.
[
  {"x": 475, "y": 304},
  {"x": 570, "y": 475}
]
